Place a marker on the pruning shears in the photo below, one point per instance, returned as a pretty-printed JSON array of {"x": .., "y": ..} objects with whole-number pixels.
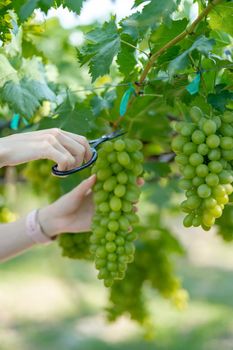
[{"x": 94, "y": 144}]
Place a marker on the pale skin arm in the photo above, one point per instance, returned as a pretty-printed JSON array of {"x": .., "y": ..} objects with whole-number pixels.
[
  {"x": 71, "y": 213},
  {"x": 66, "y": 149}
]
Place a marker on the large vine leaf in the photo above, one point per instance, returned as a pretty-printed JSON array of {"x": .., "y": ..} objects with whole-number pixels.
[
  {"x": 73, "y": 5},
  {"x": 221, "y": 18},
  {"x": 7, "y": 72},
  {"x": 150, "y": 17},
  {"x": 221, "y": 97},
  {"x": 202, "y": 44},
  {"x": 126, "y": 59},
  {"x": 103, "y": 45},
  {"x": 25, "y": 96},
  {"x": 105, "y": 102},
  {"x": 163, "y": 34},
  {"x": 73, "y": 118},
  {"x": 24, "y": 9}
]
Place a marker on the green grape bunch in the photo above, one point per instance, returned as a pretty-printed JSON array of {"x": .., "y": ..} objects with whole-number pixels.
[
  {"x": 38, "y": 173},
  {"x": 5, "y": 20},
  {"x": 75, "y": 246},
  {"x": 115, "y": 192},
  {"x": 225, "y": 224},
  {"x": 204, "y": 154},
  {"x": 153, "y": 268}
]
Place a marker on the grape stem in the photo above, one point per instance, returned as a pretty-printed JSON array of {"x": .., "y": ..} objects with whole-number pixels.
[
  {"x": 188, "y": 31},
  {"x": 135, "y": 47}
]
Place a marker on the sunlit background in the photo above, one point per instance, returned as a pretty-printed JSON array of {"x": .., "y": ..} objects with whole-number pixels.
[{"x": 48, "y": 302}]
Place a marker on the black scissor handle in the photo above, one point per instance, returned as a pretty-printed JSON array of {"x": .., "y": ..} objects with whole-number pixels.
[{"x": 57, "y": 172}]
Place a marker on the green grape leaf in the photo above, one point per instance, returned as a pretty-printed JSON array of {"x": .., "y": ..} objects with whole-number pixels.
[
  {"x": 73, "y": 118},
  {"x": 73, "y": 5},
  {"x": 151, "y": 16},
  {"x": 202, "y": 44},
  {"x": 156, "y": 11},
  {"x": 126, "y": 59},
  {"x": 221, "y": 18},
  {"x": 7, "y": 72},
  {"x": 24, "y": 9},
  {"x": 25, "y": 96},
  {"x": 163, "y": 34},
  {"x": 45, "y": 5},
  {"x": 100, "y": 103},
  {"x": 220, "y": 99},
  {"x": 103, "y": 45},
  {"x": 138, "y": 2},
  {"x": 130, "y": 26}
]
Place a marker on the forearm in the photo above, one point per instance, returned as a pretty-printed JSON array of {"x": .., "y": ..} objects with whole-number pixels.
[{"x": 13, "y": 239}]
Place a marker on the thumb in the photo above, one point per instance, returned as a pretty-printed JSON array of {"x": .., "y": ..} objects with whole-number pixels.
[{"x": 81, "y": 190}]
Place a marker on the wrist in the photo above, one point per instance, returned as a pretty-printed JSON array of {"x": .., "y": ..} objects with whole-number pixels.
[
  {"x": 48, "y": 221},
  {"x": 4, "y": 156}
]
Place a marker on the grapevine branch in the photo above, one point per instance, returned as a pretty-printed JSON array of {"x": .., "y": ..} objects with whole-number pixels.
[{"x": 188, "y": 30}]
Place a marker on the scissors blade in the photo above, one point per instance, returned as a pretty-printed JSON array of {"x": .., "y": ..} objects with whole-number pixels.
[
  {"x": 115, "y": 134},
  {"x": 104, "y": 138}
]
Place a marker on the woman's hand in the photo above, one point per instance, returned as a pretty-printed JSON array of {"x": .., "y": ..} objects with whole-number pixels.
[
  {"x": 72, "y": 212},
  {"x": 66, "y": 149}
]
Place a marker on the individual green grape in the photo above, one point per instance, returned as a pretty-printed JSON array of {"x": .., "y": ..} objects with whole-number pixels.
[
  {"x": 212, "y": 180},
  {"x": 213, "y": 141},
  {"x": 189, "y": 172},
  {"x": 210, "y": 203},
  {"x": 203, "y": 149},
  {"x": 204, "y": 191},
  {"x": 196, "y": 114},
  {"x": 187, "y": 129},
  {"x": 227, "y": 117},
  {"x": 189, "y": 148},
  {"x": 226, "y": 143},
  {"x": 117, "y": 167},
  {"x": 209, "y": 127},
  {"x": 178, "y": 143},
  {"x": 214, "y": 154},
  {"x": 215, "y": 166},
  {"x": 185, "y": 184},
  {"x": 202, "y": 170},
  {"x": 188, "y": 220},
  {"x": 196, "y": 159},
  {"x": 198, "y": 137},
  {"x": 181, "y": 159}
]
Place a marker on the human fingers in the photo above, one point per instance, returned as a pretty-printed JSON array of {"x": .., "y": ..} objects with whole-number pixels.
[
  {"x": 83, "y": 141},
  {"x": 140, "y": 181},
  {"x": 77, "y": 150}
]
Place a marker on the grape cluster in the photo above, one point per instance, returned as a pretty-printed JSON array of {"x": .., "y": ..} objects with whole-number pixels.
[
  {"x": 204, "y": 149},
  {"x": 5, "y": 20},
  {"x": 152, "y": 267},
  {"x": 225, "y": 224},
  {"x": 38, "y": 173},
  {"x": 117, "y": 169},
  {"x": 75, "y": 246}
]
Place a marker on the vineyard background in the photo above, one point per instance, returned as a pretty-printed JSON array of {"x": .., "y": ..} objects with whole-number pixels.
[{"x": 49, "y": 302}]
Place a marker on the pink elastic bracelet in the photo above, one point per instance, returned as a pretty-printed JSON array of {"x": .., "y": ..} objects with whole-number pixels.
[{"x": 34, "y": 231}]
